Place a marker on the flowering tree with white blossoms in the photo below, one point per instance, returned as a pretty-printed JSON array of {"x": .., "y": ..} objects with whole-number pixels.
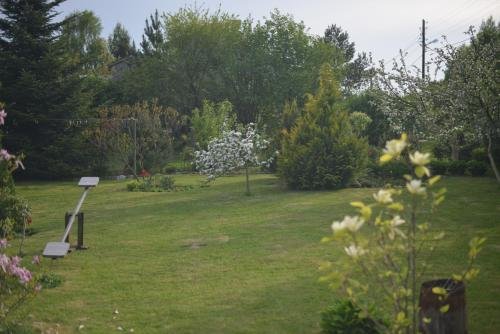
[
  {"x": 381, "y": 264},
  {"x": 232, "y": 151}
]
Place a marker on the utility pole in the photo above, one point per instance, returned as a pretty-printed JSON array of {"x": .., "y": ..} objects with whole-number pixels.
[
  {"x": 135, "y": 146},
  {"x": 423, "y": 48}
]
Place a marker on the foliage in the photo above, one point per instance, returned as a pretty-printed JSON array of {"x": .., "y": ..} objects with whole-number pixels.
[
  {"x": 476, "y": 168},
  {"x": 458, "y": 167},
  {"x": 321, "y": 151},
  {"x": 152, "y": 184},
  {"x": 232, "y": 151},
  {"x": 16, "y": 282},
  {"x": 145, "y": 129},
  {"x": 470, "y": 88},
  {"x": 15, "y": 215},
  {"x": 343, "y": 317},
  {"x": 398, "y": 232},
  {"x": 209, "y": 122},
  {"x": 202, "y": 55},
  {"x": 359, "y": 122},
  {"x": 378, "y": 130},
  {"x": 119, "y": 43},
  {"x": 41, "y": 89},
  {"x": 80, "y": 37},
  {"x": 356, "y": 70},
  {"x": 49, "y": 280}
]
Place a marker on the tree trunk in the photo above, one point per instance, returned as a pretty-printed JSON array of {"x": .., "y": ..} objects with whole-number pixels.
[
  {"x": 248, "y": 181},
  {"x": 455, "y": 149},
  {"x": 492, "y": 160}
]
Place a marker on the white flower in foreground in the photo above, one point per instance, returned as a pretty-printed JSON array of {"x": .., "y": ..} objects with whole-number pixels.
[
  {"x": 353, "y": 223},
  {"x": 354, "y": 251},
  {"x": 396, "y": 221},
  {"x": 383, "y": 196},
  {"x": 415, "y": 187},
  {"x": 337, "y": 226},
  {"x": 420, "y": 159},
  {"x": 394, "y": 147},
  {"x": 349, "y": 223}
]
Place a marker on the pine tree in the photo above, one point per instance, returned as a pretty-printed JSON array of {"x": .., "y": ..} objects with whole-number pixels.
[{"x": 38, "y": 88}]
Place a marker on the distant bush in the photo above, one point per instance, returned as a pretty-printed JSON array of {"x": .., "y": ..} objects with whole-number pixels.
[
  {"x": 153, "y": 184},
  {"x": 169, "y": 169},
  {"x": 479, "y": 154},
  {"x": 457, "y": 167},
  {"x": 439, "y": 167},
  {"x": 378, "y": 176},
  {"x": 167, "y": 183},
  {"x": 345, "y": 317},
  {"x": 50, "y": 280},
  {"x": 476, "y": 168}
]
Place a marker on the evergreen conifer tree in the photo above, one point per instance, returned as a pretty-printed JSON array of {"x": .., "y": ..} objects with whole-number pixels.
[
  {"x": 321, "y": 151},
  {"x": 39, "y": 89}
]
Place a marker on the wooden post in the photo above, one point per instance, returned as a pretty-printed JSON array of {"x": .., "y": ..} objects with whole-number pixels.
[{"x": 454, "y": 321}]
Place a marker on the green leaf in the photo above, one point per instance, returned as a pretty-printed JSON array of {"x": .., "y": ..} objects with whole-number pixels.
[
  {"x": 437, "y": 290},
  {"x": 385, "y": 158},
  {"x": 426, "y": 320},
  {"x": 434, "y": 179},
  {"x": 396, "y": 206},
  {"x": 445, "y": 308}
]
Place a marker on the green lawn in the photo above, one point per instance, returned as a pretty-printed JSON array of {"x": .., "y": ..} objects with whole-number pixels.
[{"x": 212, "y": 260}]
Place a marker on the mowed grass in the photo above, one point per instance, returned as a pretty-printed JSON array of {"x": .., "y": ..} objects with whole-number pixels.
[{"x": 212, "y": 260}]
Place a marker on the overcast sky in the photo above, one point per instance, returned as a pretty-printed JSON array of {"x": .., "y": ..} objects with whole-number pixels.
[{"x": 381, "y": 27}]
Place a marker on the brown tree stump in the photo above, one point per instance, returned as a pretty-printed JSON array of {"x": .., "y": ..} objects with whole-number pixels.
[{"x": 454, "y": 321}]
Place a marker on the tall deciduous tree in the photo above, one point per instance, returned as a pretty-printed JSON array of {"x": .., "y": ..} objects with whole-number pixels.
[
  {"x": 471, "y": 86},
  {"x": 80, "y": 36}
]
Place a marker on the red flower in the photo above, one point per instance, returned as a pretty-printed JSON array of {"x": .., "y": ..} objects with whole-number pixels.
[{"x": 144, "y": 173}]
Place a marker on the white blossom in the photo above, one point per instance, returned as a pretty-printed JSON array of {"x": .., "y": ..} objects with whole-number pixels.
[
  {"x": 232, "y": 151},
  {"x": 354, "y": 251},
  {"x": 383, "y": 196},
  {"x": 415, "y": 187},
  {"x": 420, "y": 159},
  {"x": 349, "y": 223}
]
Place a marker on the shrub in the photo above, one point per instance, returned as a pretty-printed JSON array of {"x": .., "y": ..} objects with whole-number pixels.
[
  {"x": 152, "y": 184},
  {"x": 15, "y": 214},
  {"x": 321, "y": 151},
  {"x": 345, "y": 317},
  {"x": 49, "y": 280},
  {"x": 439, "y": 167},
  {"x": 133, "y": 185},
  {"x": 479, "y": 154},
  {"x": 476, "y": 168},
  {"x": 457, "y": 167},
  {"x": 167, "y": 183},
  {"x": 169, "y": 169}
]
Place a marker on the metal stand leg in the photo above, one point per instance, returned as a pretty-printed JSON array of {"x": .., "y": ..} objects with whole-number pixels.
[
  {"x": 80, "y": 244},
  {"x": 80, "y": 217}
]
